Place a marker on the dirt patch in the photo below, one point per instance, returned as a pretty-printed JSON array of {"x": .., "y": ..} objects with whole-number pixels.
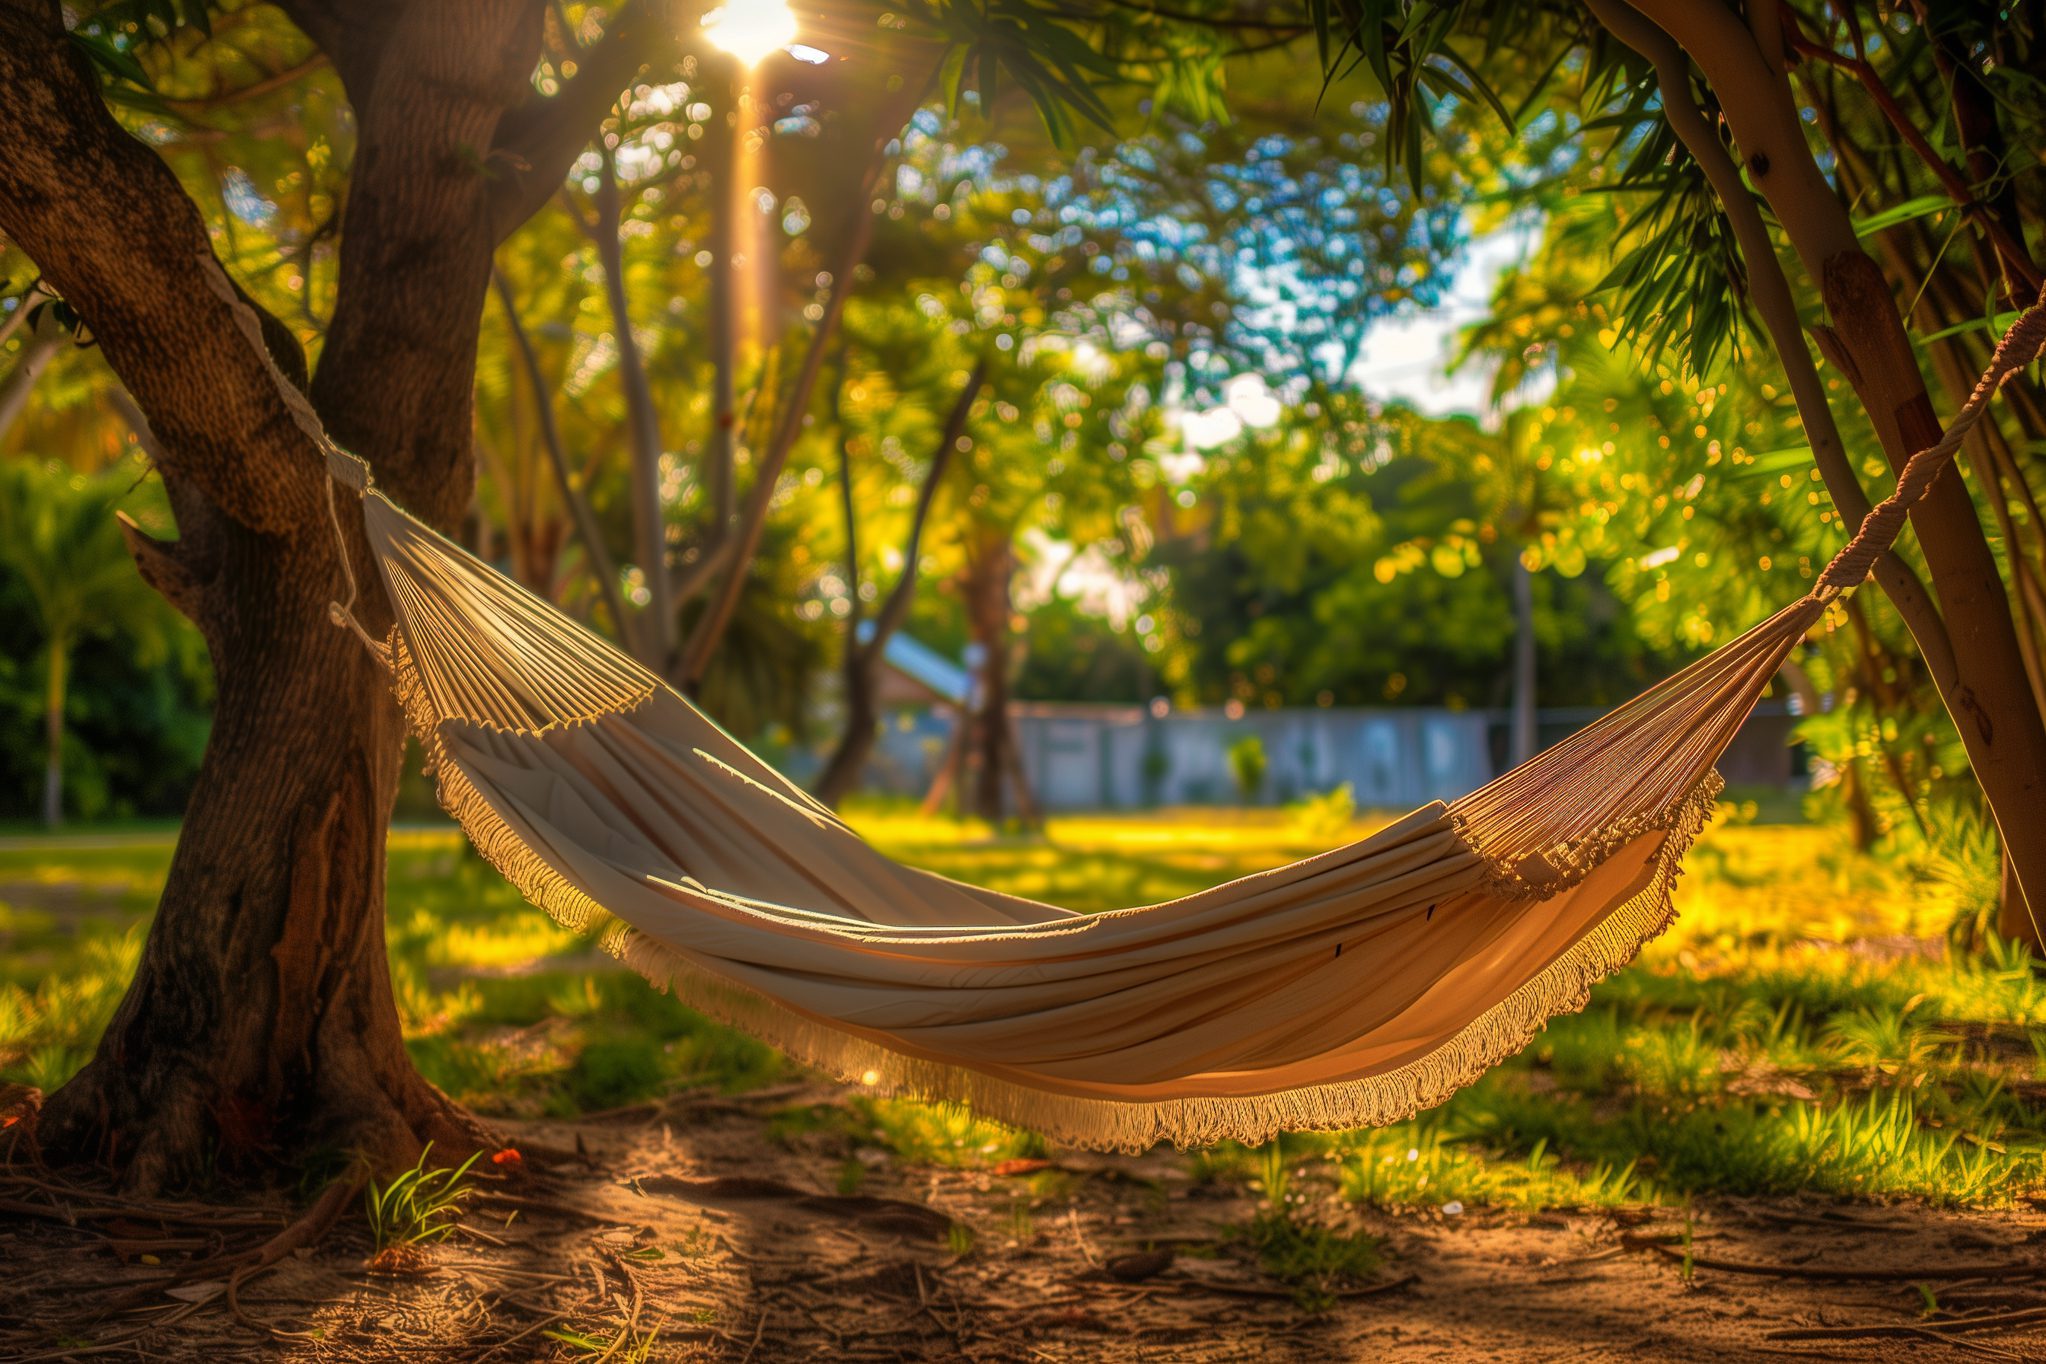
[{"x": 687, "y": 1233}]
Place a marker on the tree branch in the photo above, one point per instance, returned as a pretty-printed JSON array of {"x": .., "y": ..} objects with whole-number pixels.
[
  {"x": 1770, "y": 291},
  {"x": 539, "y": 140},
  {"x": 703, "y": 640},
  {"x": 893, "y": 611},
  {"x": 2016, "y": 262},
  {"x": 649, "y": 522},
  {"x": 116, "y": 235}
]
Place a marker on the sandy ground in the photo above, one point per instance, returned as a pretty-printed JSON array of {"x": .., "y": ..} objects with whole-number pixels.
[{"x": 686, "y": 1234}]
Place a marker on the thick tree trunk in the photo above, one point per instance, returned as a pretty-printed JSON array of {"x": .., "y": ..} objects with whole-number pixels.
[
  {"x": 260, "y": 1022},
  {"x": 260, "y": 1018}
]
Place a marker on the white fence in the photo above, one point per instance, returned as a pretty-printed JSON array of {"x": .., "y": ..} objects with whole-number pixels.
[{"x": 1092, "y": 757}]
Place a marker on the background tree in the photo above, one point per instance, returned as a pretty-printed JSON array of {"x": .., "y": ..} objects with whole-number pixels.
[{"x": 60, "y": 538}]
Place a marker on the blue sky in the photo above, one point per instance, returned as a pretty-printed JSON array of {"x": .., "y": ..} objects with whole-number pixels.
[{"x": 1406, "y": 357}]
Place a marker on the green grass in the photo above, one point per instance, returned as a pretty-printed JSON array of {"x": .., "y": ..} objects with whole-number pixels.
[{"x": 1802, "y": 1029}]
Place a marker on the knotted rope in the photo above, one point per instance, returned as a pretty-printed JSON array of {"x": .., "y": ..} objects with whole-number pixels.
[
  {"x": 2020, "y": 346},
  {"x": 342, "y": 465}
]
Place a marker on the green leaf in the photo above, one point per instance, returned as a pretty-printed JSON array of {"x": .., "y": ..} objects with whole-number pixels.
[
  {"x": 1924, "y": 206},
  {"x": 110, "y": 60}
]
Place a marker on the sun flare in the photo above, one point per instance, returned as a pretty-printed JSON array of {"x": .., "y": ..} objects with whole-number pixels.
[{"x": 751, "y": 30}]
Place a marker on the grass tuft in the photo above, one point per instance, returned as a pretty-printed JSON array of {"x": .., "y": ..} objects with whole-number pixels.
[{"x": 418, "y": 1206}]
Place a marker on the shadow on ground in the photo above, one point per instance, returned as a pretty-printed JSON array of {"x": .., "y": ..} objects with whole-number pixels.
[{"x": 685, "y": 1232}]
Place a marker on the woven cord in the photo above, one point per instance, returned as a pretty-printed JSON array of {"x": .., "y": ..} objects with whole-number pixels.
[{"x": 2020, "y": 346}]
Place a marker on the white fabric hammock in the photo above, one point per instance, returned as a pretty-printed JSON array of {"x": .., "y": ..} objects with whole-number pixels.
[{"x": 1352, "y": 988}]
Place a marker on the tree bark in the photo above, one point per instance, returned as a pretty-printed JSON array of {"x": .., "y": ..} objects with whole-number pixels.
[
  {"x": 991, "y": 563},
  {"x": 260, "y": 1022}
]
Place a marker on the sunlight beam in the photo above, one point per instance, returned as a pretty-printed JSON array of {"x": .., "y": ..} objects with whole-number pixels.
[{"x": 751, "y": 30}]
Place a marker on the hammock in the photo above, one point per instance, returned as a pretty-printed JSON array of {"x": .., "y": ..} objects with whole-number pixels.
[{"x": 1350, "y": 989}]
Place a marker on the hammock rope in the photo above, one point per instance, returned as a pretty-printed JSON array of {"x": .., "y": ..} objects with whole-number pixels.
[{"x": 1348, "y": 989}]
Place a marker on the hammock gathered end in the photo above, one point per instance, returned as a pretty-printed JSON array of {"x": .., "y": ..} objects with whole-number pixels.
[{"x": 1354, "y": 988}]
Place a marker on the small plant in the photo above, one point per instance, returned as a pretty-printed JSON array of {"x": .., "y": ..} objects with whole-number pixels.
[
  {"x": 1885, "y": 1041},
  {"x": 418, "y": 1206},
  {"x": 1311, "y": 1259},
  {"x": 628, "y": 1346},
  {"x": 1247, "y": 766},
  {"x": 1323, "y": 818},
  {"x": 1274, "y": 1180},
  {"x": 1022, "y": 1227},
  {"x": 1965, "y": 869}
]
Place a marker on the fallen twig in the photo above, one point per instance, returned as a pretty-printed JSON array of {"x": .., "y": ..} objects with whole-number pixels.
[
  {"x": 1950, "y": 1326},
  {"x": 1967, "y": 1269}
]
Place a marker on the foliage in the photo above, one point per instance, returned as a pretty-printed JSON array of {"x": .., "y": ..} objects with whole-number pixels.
[
  {"x": 1324, "y": 579},
  {"x": 126, "y": 675}
]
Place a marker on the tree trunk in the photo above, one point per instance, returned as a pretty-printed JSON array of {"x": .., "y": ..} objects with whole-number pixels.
[
  {"x": 1522, "y": 747},
  {"x": 862, "y": 725},
  {"x": 260, "y": 1023},
  {"x": 951, "y": 773},
  {"x": 1989, "y": 695},
  {"x": 53, "y": 720},
  {"x": 989, "y": 568},
  {"x": 720, "y": 157},
  {"x": 2014, "y": 917},
  {"x": 863, "y": 658},
  {"x": 261, "y": 1018}
]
